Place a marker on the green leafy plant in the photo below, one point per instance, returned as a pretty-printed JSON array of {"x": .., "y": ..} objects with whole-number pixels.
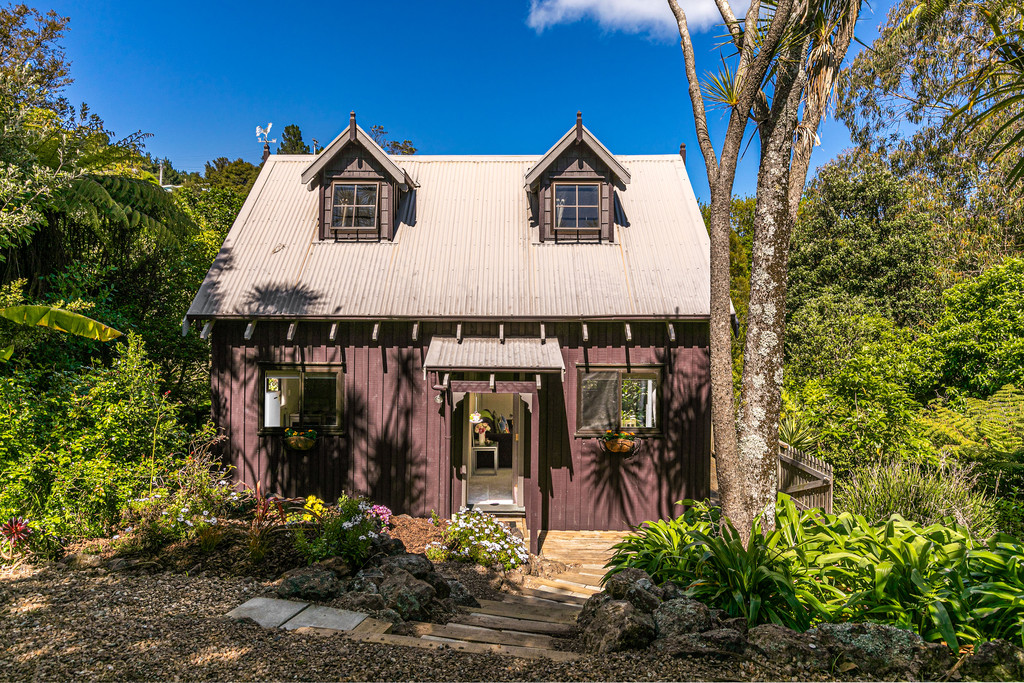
[
  {"x": 920, "y": 493},
  {"x": 997, "y": 588},
  {"x": 473, "y": 536},
  {"x": 347, "y": 530},
  {"x": 267, "y": 516}
]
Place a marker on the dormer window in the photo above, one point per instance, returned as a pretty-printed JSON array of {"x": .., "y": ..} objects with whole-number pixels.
[
  {"x": 354, "y": 206},
  {"x": 577, "y": 206}
]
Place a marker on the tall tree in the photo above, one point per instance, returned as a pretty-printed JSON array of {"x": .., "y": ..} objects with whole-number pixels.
[
  {"x": 380, "y": 136},
  {"x": 787, "y": 57},
  {"x": 291, "y": 141},
  {"x": 238, "y": 175}
]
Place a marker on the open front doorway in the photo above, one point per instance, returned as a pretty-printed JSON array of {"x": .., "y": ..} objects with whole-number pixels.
[{"x": 493, "y": 452}]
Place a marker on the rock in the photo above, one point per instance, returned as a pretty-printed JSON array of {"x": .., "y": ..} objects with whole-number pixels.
[
  {"x": 407, "y": 595},
  {"x": 682, "y": 616},
  {"x": 394, "y": 546},
  {"x": 590, "y": 608},
  {"x": 335, "y": 564},
  {"x": 388, "y": 614},
  {"x": 460, "y": 595},
  {"x": 781, "y": 644},
  {"x": 309, "y": 583},
  {"x": 671, "y": 591},
  {"x": 617, "y": 625},
  {"x": 649, "y": 586},
  {"x": 995, "y": 660},
  {"x": 83, "y": 561},
  {"x": 120, "y": 564},
  {"x": 642, "y": 599},
  {"x": 416, "y": 564},
  {"x": 723, "y": 643},
  {"x": 735, "y": 623},
  {"x": 880, "y": 650},
  {"x": 360, "y": 602},
  {"x": 620, "y": 582},
  {"x": 362, "y": 584},
  {"x": 439, "y": 583}
]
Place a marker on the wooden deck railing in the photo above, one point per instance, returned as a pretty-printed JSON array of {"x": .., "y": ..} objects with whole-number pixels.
[{"x": 806, "y": 479}]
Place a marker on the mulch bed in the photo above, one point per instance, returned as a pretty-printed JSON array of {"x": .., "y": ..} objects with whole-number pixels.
[
  {"x": 416, "y": 532},
  {"x": 60, "y": 625}
]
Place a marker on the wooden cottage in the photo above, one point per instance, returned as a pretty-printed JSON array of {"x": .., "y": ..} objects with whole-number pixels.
[{"x": 460, "y": 331}]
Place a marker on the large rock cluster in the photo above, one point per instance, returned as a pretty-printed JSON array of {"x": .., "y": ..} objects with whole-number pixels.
[
  {"x": 398, "y": 587},
  {"x": 633, "y": 613}
]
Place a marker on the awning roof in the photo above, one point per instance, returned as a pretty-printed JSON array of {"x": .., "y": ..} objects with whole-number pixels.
[{"x": 492, "y": 354}]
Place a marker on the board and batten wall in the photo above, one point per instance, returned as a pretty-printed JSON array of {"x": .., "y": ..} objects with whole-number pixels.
[{"x": 396, "y": 445}]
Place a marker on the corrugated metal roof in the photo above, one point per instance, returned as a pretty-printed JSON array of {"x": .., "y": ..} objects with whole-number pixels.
[
  {"x": 514, "y": 353},
  {"x": 464, "y": 249}
]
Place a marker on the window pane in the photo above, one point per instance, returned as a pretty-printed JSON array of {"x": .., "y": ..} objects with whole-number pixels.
[
  {"x": 342, "y": 217},
  {"x": 344, "y": 195},
  {"x": 281, "y": 399},
  {"x": 566, "y": 218},
  {"x": 320, "y": 399},
  {"x": 565, "y": 194},
  {"x": 588, "y": 195},
  {"x": 639, "y": 400},
  {"x": 588, "y": 217},
  {"x": 366, "y": 195},
  {"x": 598, "y": 401},
  {"x": 365, "y": 217}
]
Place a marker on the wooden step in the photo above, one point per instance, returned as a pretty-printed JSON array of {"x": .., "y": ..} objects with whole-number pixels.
[
  {"x": 462, "y": 646},
  {"x": 547, "y": 628},
  {"x": 556, "y": 614},
  {"x": 589, "y": 580},
  {"x": 370, "y": 625},
  {"x": 550, "y": 594},
  {"x": 578, "y": 588},
  {"x": 481, "y": 635}
]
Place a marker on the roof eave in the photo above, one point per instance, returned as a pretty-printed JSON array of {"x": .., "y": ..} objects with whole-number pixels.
[
  {"x": 587, "y": 138},
  {"x": 397, "y": 173}
]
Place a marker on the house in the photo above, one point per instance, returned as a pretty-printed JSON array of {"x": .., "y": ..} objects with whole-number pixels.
[{"x": 386, "y": 301}]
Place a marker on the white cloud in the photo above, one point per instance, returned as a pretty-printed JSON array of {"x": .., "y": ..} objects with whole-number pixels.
[{"x": 631, "y": 16}]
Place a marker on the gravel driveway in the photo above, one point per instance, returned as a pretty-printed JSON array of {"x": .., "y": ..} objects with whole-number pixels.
[{"x": 58, "y": 624}]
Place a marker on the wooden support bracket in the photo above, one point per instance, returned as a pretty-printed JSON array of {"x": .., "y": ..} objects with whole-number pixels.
[
  {"x": 671, "y": 333},
  {"x": 458, "y": 332},
  {"x": 186, "y": 324},
  {"x": 501, "y": 332},
  {"x": 629, "y": 333},
  {"x": 543, "y": 336},
  {"x": 376, "y": 332},
  {"x": 207, "y": 329},
  {"x": 333, "y": 334},
  {"x": 586, "y": 334},
  {"x": 492, "y": 381},
  {"x": 249, "y": 329},
  {"x": 444, "y": 382},
  {"x": 538, "y": 381},
  {"x": 415, "y": 331},
  {"x": 290, "y": 336}
]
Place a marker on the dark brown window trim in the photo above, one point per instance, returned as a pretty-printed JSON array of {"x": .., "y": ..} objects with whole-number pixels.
[
  {"x": 353, "y": 230},
  {"x": 554, "y": 205},
  {"x": 266, "y": 366},
  {"x": 623, "y": 368}
]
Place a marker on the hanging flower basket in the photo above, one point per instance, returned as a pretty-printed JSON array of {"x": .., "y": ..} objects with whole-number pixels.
[
  {"x": 299, "y": 441},
  {"x": 622, "y": 443}
]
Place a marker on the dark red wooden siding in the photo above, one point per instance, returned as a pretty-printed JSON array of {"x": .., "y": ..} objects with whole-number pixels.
[{"x": 397, "y": 442}]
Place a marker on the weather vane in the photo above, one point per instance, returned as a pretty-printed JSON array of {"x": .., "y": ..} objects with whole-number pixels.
[{"x": 262, "y": 134}]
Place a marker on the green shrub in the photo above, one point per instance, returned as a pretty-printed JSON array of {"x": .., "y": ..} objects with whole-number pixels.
[
  {"x": 473, "y": 536},
  {"x": 76, "y": 447},
  {"x": 934, "y": 579},
  {"x": 347, "y": 530},
  {"x": 919, "y": 493},
  {"x": 191, "y": 502}
]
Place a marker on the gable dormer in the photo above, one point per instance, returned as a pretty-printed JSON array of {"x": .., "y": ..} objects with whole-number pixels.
[
  {"x": 359, "y": 188},
  {"x": 573, "y": 187}
]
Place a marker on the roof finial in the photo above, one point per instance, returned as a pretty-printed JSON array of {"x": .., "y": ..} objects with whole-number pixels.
[
  {"x": 352, "y": 125},
  {"x": 579, "y": 126},
  {"x": 682, "y": 151},
  {"x": 266, "y": 151}
]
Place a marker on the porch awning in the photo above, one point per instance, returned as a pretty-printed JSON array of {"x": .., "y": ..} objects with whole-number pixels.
[{"x": 489, "y": 354}]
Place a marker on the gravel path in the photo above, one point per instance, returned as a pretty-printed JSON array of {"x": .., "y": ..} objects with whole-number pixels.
[{"x": 58, "y": 624}]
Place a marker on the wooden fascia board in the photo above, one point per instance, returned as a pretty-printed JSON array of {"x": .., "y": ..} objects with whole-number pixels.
[
  {"x": 338, "y": 144},
  {"x": 602, "y": 152}
]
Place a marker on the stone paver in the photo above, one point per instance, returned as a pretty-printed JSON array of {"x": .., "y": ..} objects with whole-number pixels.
[
  {"x": 316, "y": 616},
  {"x": 268, "y": 612}
]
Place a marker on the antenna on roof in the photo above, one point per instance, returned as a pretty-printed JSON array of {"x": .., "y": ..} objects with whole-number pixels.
[
  {"x": 261, "y": 136},
  {"x": 579, "y": 126},
  {"x": 352, "y": 125}
]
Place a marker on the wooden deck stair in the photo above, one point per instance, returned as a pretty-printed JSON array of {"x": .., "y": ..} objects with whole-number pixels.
[
  {"x": 590, "y": 549},
  {"x": 527, "y": 626}
]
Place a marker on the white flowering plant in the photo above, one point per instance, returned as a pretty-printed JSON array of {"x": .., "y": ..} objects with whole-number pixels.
[
  {"x": 474, "y": 536},
  {"x": 345, "y": 530}
]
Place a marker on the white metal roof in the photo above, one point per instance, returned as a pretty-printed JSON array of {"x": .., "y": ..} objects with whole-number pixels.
[
  {"x": 512, "y": 353},
  {"x": 464, "y": 248}
]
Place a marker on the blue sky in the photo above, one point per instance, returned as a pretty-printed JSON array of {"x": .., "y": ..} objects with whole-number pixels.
[{"x": 455, "y": 77}]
